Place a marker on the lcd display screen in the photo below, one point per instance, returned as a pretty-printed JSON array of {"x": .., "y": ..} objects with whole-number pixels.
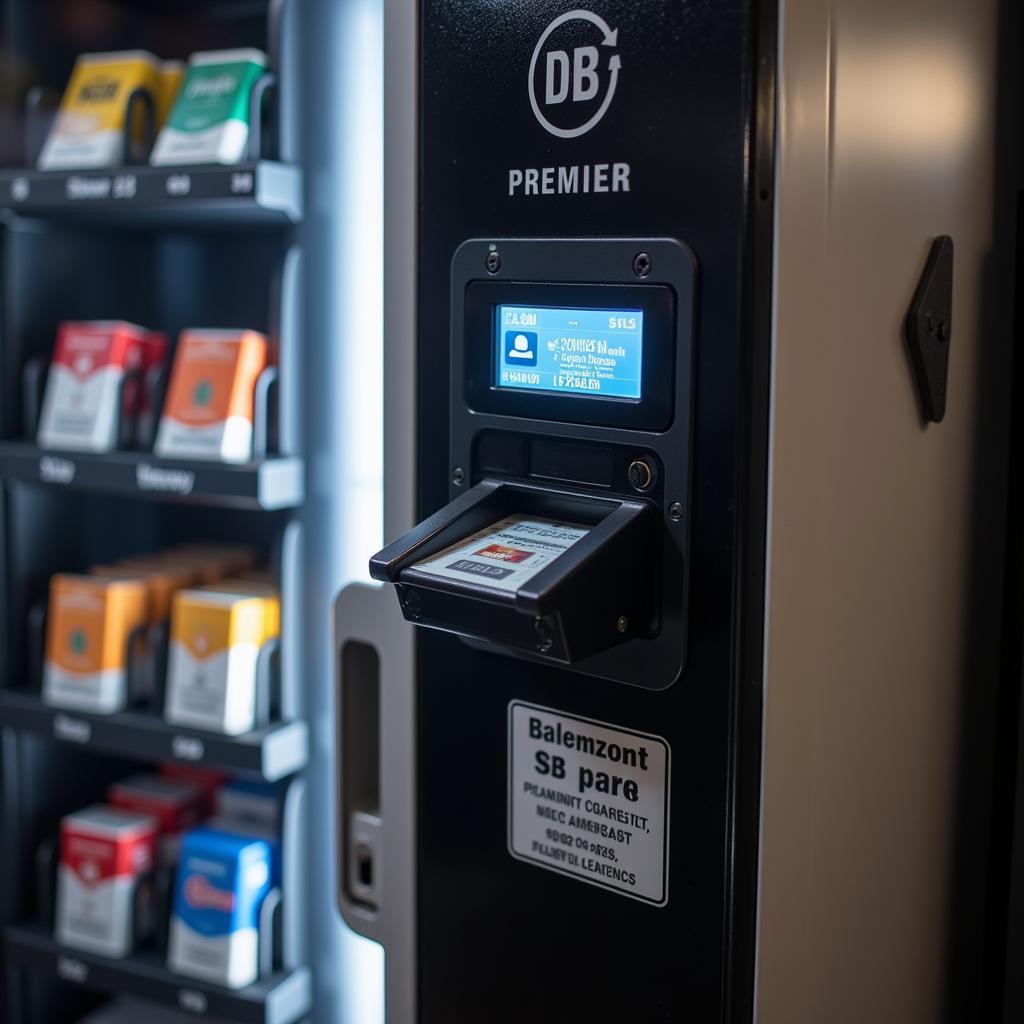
[{"x": 597, "y": 353}]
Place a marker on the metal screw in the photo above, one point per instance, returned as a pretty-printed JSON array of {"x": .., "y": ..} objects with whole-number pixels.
[
  {"x": 623, "y": 624},
  {"x": 493, "y": 261},
  {"x": 411, "y": 604},
  {"x": 545, "y": 641},
  {"x": 675, "y": 511},
  {"x": 641, "y": 264},
  {"x": 458, "y": 475}
]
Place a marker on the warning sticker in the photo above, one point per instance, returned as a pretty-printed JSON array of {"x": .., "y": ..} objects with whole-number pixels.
[
  {"x": 589, "y": 800},
  {"x": 506, "y": 554}
]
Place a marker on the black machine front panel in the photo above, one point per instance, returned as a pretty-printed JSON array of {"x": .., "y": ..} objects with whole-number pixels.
[{"x": 634, "y": 124}]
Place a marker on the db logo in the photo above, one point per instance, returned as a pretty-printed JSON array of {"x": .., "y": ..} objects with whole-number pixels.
[{"x": 573, "y": 73}]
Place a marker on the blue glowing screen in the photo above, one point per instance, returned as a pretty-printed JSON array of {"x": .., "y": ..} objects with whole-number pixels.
[{"x": 592, "y": 352}]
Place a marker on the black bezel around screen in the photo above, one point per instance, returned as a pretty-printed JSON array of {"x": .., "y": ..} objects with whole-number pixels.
[{"x": 652, "y": 411}]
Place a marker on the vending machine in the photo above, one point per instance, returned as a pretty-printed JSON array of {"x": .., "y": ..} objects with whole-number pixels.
[
  {"x": 696, "y": 395},
  {"x": 190, "y": 349}
]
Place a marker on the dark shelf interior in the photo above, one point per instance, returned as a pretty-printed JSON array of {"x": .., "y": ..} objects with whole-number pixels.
[
  {"x": 283, "y": 998},
  {"x": 169, "y": 249}
]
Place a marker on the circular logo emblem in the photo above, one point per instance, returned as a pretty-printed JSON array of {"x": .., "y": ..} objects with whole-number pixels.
[
  {"x": 203, "y": 393},
  {"x": 78, "y": 642},
  {"x": 573, "y": 73}
]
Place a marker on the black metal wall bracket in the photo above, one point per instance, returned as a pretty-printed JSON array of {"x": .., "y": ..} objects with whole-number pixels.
[{"x": 929, "y": 326}]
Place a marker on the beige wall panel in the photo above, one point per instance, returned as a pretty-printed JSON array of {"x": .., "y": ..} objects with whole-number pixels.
[{"x": 886, "y": 125}]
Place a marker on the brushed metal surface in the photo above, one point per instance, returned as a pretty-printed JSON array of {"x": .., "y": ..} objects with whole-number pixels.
[{"x": 886, "y": 535}]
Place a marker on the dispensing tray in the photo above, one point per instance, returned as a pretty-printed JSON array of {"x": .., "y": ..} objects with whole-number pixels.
[{"x": 582, "y": 579}]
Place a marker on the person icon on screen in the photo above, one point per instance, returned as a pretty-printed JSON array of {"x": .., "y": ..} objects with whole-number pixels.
[{"x": 521, "y": 347}]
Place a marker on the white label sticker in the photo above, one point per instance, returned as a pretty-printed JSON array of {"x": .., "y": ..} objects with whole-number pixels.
[
  {"x": 178, "y": 185},
  {"x": 77, "y": 187},
  {"x": 73, "y": 730},
  {"x": 53, "y": 470},
  {"x": 192, "y": 1001},
  {"x": 188, "y": 748},
  {"x": 125, "y": 186},
  {"x": 154, "y": 478},
  {"x": 589, "y": 800},
  {"x": 70, "y": 969},
  {"x": 507, "y": 554}
]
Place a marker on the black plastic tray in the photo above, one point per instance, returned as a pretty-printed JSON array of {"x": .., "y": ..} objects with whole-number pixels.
[
  {"x": 272, "y": 752},
  {"x": 283, "y": 998},
  {"x": 271, "y": 483},
  {"x": 260, "y": 193}
]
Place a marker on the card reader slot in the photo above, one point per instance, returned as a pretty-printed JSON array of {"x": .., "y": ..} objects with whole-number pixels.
[
  {"x": 591, "y": 595},
  {"x": 479, "y": 507},
  {"x": 572, "y": 461},
  {"x": 624, "y": 528}
]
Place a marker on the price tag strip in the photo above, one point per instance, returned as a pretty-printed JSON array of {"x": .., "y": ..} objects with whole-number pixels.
[
  {"x": 589, "y": 800},
  {"x": 506, "y": 554}
]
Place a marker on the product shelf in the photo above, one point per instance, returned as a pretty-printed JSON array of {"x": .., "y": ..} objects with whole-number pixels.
[
  {"x": 268, "y": 484},
  {"x": 282, "y": 998},
  {"x": 173, "y": 247},
  {"x": 271, "y": 752},
  {"x": 258, "y": 193}
]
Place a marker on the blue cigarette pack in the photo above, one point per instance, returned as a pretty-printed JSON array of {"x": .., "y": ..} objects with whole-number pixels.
[{"x": 222, "y": 881}]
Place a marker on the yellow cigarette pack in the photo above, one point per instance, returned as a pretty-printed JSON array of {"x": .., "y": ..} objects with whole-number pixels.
[
  {"x": 215, "y": 643},
  {"x": 254, "y": 588},
  {"x": 90, "y": 127},
  {"x": 90, "y": 621}
]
